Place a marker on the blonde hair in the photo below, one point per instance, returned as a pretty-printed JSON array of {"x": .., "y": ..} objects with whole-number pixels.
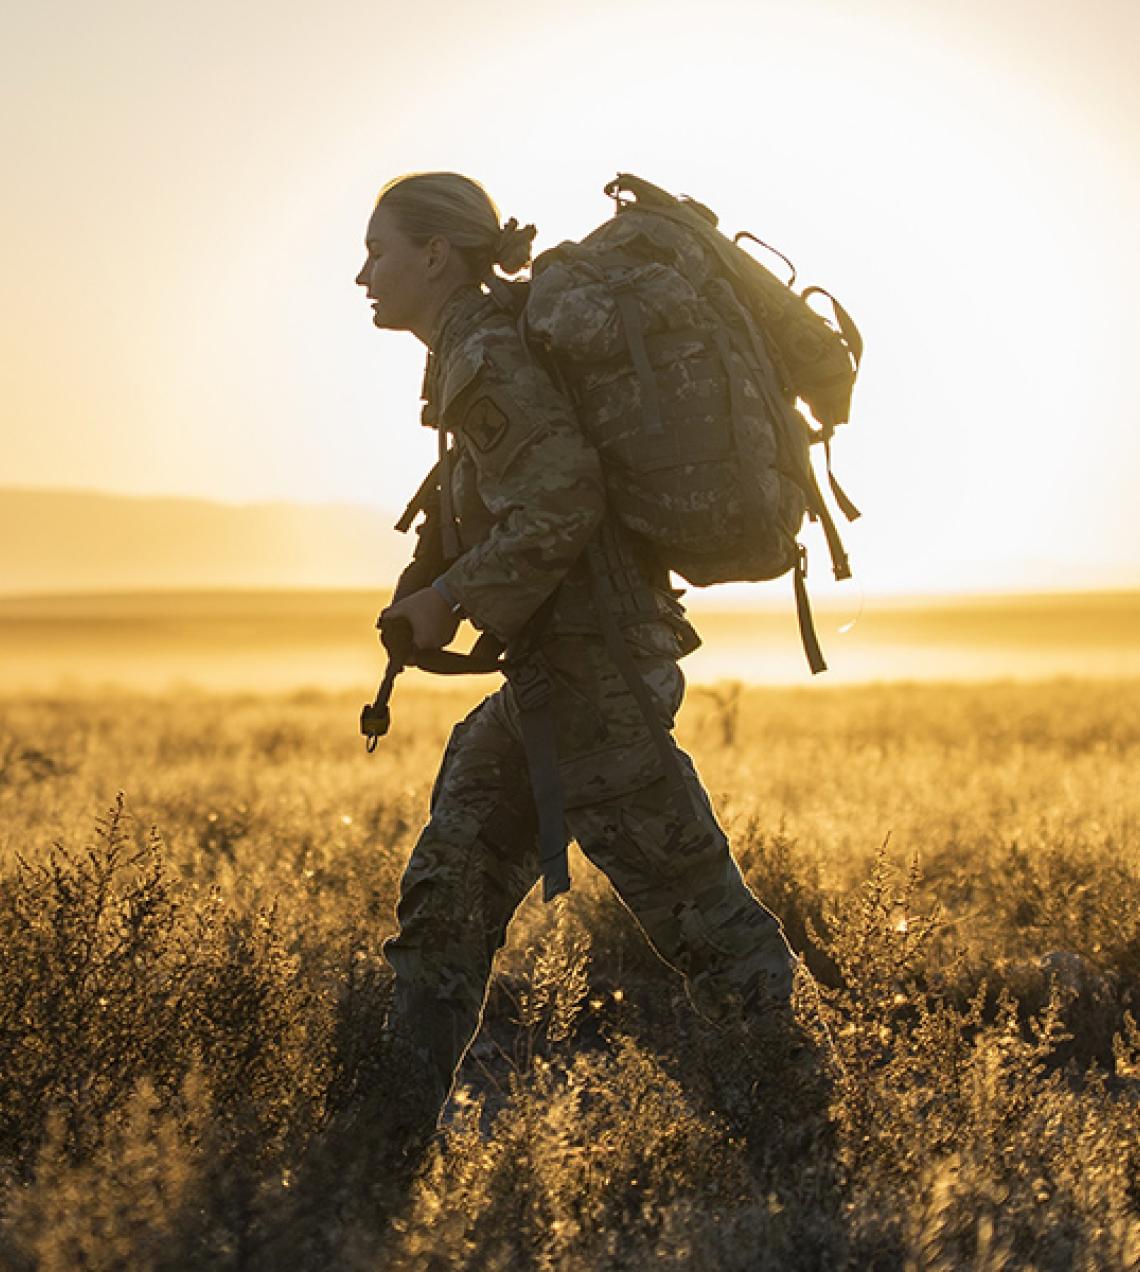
[{"x": 458, "y": 208}]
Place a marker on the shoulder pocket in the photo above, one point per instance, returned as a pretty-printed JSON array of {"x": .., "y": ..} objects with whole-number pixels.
[{"x": 491, "y": 426}]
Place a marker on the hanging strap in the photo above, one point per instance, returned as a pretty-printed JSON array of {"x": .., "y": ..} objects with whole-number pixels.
[
  {"x": 803, "y": 615},
  {"x": 532, "y": 687},
  {"x": 396, "y": 637},
  {"x": 841, "y": 497},
  {"x": 840, "y": 565}
]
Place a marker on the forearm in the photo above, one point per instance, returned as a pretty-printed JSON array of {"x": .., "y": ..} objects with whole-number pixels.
[{"x": 502, "y": 581}]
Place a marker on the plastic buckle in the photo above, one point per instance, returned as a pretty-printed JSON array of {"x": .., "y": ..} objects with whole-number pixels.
[{"x": 531, "y": 682}]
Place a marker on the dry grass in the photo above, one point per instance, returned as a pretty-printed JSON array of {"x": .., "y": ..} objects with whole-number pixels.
[{"x": 191, "y": 979}]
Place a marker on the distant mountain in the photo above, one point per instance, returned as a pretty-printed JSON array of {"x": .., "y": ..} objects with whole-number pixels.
[{"x": 66, "y": 541}]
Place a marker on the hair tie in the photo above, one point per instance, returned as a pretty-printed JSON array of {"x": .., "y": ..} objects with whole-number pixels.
[
  {"x": 512, "y": 246},
  {"x": 506, "y": 233}
]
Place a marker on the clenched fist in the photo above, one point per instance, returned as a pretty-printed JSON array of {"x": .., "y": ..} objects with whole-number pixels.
[{"x": 433, "y": 623}]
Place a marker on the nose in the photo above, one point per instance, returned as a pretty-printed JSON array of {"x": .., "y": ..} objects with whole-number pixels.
[{"x": 362, "y": 277}]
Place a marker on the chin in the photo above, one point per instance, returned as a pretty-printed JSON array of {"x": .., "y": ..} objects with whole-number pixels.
[{"x": 386, "y": 322}]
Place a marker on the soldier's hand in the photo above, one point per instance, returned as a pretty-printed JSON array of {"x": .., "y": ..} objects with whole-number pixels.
[{"x": 433, "y": 623}]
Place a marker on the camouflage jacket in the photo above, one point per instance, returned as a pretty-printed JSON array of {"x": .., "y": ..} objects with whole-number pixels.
[{"x": 527, "y": 494}]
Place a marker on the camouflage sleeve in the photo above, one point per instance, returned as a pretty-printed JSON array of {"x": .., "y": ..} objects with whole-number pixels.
[{"x": 539, "y": 478}]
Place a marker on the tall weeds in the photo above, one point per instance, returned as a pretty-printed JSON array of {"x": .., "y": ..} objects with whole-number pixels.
[{"x": 184, "y": 1010}]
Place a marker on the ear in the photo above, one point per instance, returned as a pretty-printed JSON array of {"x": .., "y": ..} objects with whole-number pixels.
[{"x": 438, "y": 254}]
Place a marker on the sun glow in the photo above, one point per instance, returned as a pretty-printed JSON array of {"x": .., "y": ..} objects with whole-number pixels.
[{"x": 974, "y": 211}]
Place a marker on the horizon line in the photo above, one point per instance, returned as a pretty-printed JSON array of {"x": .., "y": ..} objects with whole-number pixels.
[{"x": 691, "y": 594}]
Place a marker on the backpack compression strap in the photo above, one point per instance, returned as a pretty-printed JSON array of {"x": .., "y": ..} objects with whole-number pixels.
[{"x": 629, "y": 311}]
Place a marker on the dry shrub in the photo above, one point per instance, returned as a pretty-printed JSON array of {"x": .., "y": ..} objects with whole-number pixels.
[{"x": 180, "y": 1012}]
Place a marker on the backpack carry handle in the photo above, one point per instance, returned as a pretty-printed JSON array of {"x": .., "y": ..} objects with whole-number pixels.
[
  {"x": 747, "y": 234},
  {"x": 625, "y": 183},
  {"x": 646, "y": 194}
]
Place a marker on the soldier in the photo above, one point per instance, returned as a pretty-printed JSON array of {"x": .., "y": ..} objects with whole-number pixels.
[{"x": 534, "y": 556}]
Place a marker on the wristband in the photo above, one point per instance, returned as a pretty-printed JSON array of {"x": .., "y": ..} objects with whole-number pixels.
[{"x": 452, "y": 604}]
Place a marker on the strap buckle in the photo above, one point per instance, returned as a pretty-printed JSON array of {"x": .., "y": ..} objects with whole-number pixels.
[{"x": 531, "y": 682}]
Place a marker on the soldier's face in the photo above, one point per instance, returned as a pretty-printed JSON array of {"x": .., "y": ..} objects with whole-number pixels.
[{"x": 395, "y": 274}]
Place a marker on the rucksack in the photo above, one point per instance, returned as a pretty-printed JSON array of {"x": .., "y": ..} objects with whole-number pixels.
[{"x": 685, "y": 358}]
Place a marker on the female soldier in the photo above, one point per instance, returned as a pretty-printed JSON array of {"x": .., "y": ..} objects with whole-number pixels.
[{"x": 519, "y": 543}]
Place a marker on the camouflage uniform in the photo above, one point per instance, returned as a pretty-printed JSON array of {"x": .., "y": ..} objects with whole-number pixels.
[{"x": 528, "y": 498}]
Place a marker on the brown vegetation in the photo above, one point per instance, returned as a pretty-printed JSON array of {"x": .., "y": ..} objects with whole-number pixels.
[{"x": 191, "y": 981}]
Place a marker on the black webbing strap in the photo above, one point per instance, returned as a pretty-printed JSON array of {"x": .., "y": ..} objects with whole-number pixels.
[
  {"x": 485, "y": 656},
  {"x": 531, "y": 684},
  {"x": 732, "y": 375},
  {"x": 449, "y": 537},
  {"x": 806, "y": 480},
  {"x": 841, "y": 496},
  {"x": 681, "y": 796},
  {"x": 840, "y": 565},
  {"x": 736, "y": 409},
  {"x": 396, "y": 636},
  {"x": 510, "y": 297},
  {"x": 803, "y": 615},
  {"x": 630, "y": 313}
]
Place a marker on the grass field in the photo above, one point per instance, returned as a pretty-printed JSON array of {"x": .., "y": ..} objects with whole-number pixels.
[{"x": 189, "y": 981}]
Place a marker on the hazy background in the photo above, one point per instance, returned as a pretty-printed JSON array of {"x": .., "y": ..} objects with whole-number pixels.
[{"x": 188, "y": 194}]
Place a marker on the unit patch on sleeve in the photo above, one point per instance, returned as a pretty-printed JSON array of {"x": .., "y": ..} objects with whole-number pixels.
[{"x": 485, "y": 424}]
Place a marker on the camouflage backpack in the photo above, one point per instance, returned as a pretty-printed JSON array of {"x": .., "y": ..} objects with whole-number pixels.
[{"x": 685, "y": 357}]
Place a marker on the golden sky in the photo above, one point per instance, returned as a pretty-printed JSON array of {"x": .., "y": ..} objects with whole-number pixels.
[{"x": 188, "y": 187}]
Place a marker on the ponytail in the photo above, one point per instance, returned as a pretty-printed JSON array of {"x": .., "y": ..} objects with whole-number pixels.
[{"x": 429, "y": 203}]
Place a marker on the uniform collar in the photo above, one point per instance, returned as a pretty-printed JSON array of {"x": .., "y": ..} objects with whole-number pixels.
[
  {"x": 459, "y": 304},
  {"x": 458, "y": 309}
]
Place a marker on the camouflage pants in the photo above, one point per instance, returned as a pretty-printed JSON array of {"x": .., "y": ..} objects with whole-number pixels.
[{"x": 477, "y": 858}]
